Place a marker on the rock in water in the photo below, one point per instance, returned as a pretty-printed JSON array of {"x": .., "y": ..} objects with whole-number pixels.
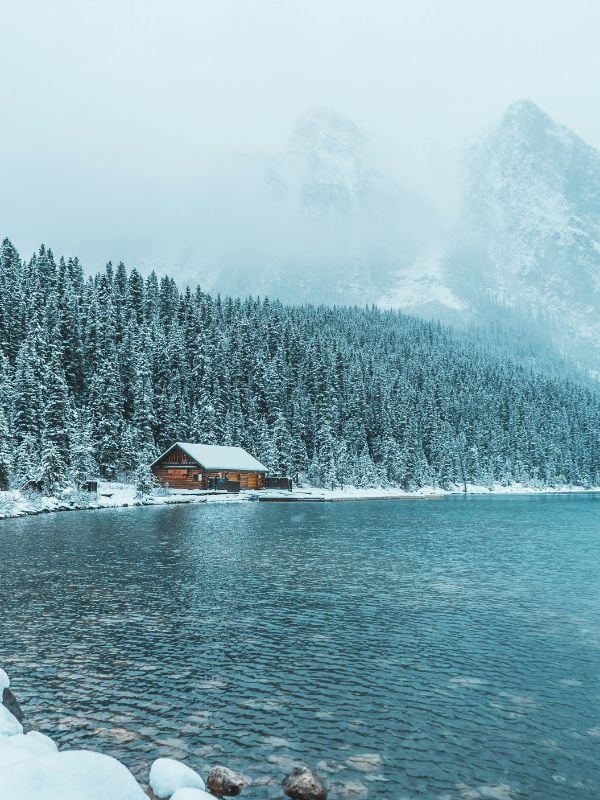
[
  {"x": 11, "y": 702},
  {"x": 304, "y": 784},
  {"x": 224, "y": 782}
]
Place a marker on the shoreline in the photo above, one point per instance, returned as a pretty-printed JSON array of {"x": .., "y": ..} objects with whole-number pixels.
[{"x": 15, "y": 505}]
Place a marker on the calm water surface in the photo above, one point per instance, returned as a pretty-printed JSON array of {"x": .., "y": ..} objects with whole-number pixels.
[{"x": 406, "y": 649}]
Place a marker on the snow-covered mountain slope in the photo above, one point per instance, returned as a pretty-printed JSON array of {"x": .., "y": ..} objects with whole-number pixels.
[
  {"x": 421, "y": 289},
  {"x": 324, "y": 169},
  {"x": 529, "y": 235},
  {"x": 321, "y": 223},
  {"x": 339, "y": 226}
]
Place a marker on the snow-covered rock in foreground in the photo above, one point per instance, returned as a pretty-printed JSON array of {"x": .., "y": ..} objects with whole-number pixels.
[
  {"x": 167, "y": 775},
  {"x": 192, "y": 794},
  {"x": 31, "y": 768},
  {"x": 71, "y": 775}
]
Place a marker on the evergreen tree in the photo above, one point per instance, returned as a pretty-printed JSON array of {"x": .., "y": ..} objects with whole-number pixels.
[
  {"x": 99, "y": 374},
  {"x": 5, "y": 453}
]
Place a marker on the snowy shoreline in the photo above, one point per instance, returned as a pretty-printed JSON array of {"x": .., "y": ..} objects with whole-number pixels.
[
  {"x": 33, "y": 768},
  {"x": 15, "y": 504}
]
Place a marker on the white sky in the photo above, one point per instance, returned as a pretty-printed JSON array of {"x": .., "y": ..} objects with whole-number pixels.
[{"x": 113, "y": 111}]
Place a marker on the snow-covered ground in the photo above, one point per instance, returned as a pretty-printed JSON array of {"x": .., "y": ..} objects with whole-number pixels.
[
  {"x": 32, "y": 768},
  {"x": 121, "y": 495},
  {"x": 110, "y": 495}
]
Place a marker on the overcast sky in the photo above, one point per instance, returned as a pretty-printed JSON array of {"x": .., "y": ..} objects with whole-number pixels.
[{"x": 114, "y": 111}]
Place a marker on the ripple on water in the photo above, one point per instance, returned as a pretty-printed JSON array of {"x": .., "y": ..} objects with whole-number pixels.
[{"x": 432, "y": 650}]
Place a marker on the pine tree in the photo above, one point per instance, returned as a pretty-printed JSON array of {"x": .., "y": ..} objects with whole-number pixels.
[
  {"x": 105, "y": 406},
  {"x": 52, "y": 469},
  {"x": 145, "y": 482},
  {"x": 6, "y": 464},
  {"x": 82, "y": 463},
  {"x": 98, "y": 374}
]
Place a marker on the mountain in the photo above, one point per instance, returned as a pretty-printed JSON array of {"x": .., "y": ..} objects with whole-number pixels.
[
  {"x": 338, "y": 227},
  {"x": 527, "y": 245},
  {"x": 324, "y": 169},
  {"x": 320, "y": 221}
]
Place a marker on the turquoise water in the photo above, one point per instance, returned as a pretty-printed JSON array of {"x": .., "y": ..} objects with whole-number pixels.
[{"x": 405, "y": 649}]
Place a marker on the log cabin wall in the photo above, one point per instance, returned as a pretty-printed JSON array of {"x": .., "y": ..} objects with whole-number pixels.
[
  {"x": 177, "y": 456},
  {"x": 179, "y": 478},
  {"x": 178, "y": 471}
]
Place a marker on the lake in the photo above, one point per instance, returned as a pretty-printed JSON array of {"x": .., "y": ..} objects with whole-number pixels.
[{"x": 405, "y": 649}]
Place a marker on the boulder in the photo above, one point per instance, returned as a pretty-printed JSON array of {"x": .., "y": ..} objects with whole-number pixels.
[
  {"x": 10, "y": 701},
  {"x": 224, "y": 782},
  {"x": 304, "y": 784}
]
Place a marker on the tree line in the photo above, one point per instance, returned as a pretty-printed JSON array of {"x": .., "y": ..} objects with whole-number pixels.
[{"x": 99, "y": 374}]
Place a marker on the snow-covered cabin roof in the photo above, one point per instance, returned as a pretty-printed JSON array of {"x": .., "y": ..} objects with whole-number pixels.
[{"x": 216, "y": 457}]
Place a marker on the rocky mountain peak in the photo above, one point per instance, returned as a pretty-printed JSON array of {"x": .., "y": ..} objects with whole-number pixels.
[
  {"x": 324, "y": 167},
  {"x": 322, "y": 131},
  {"x": 529, "y": 237}
]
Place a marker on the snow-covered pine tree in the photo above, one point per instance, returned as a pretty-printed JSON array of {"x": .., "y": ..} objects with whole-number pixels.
[{"x": 346, "y": 394}]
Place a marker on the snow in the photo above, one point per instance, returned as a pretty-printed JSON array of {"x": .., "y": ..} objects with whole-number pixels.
[
  {"x": 216, "y": 457},
  {"x": 69, "y": 775},
  {"x": 167, "y": 775},
  {"x": 192, "y": 794},
  {"x": 110, "y": 495},
  {"x": 419, "y": 286},
  {"x": 32, "y": 768},
  {"x": 121, "y": 495},
  {"x": 9, "y": 725}
]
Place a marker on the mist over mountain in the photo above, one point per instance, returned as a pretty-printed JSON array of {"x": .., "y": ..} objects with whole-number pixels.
[
  {"x": 321, "y": 222},
  {"x": 335, "y": 227},
  {"x": 324, "y": 218}
]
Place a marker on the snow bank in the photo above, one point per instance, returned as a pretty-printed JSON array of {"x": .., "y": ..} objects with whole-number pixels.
[
  {"x": 32, "y": 768},
  {"x": 192, "y": 794},
  {"x": 110, "y": 495},
  {"x": 71, "y": 775},
  {"x": 167, "y": 775},
  {"x": 121, "y": 495}
]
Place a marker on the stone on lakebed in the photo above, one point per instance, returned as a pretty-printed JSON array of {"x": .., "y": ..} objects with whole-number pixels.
[
  {"x": 224, "y": 782},
  {"x": 304, "y": 784}
]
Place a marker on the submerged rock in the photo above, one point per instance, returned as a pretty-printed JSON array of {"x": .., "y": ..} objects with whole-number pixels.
[
  {"x": 10, "y": 701},
  {"x": 224, "y": 782},
  {"x": 304, "y": 784}
]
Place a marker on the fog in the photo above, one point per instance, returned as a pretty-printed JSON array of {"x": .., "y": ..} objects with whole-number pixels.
[{"x": 141, "y": 130}]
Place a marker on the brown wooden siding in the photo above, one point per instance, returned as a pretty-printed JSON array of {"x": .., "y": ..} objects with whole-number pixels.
[
  {"x": 173, "y": 470},
  {"x": 177, "y": 456}
]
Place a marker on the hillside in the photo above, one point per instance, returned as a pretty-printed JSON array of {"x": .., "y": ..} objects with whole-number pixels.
[
  {"x": 97, "y": 374},
  {"x": 330, "y": 225}
]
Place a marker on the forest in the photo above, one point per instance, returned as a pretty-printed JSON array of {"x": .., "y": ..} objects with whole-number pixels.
[{"x": 99, "y": 374}]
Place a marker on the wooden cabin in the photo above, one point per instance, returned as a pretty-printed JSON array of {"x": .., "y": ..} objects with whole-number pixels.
[{"x": 206, "y": 466}]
